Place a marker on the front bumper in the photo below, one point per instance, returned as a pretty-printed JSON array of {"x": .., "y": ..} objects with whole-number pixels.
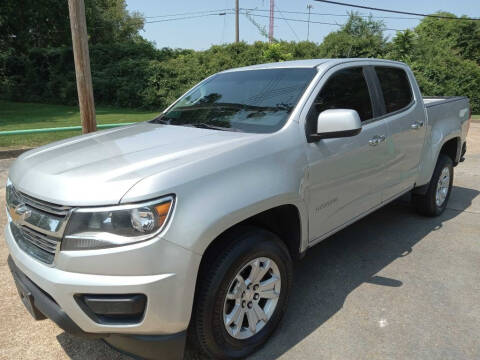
[
  {"x": 169, "y": 293},
  {"x": 41, "y": 305}
]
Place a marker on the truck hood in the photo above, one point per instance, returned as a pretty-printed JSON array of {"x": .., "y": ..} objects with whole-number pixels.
[{"x": 99, "y": 168}]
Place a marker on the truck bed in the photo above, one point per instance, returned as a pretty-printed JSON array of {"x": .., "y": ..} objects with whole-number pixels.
[
  {"x": 451, "y": 111},
  {"x": 447, "y": 117},
  {"x": 430, "y": 101}
]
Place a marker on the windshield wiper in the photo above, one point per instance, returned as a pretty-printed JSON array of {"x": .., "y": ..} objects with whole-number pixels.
[
  {"x": 226, "y": 106},
  {"x": 212, "y": 127}
]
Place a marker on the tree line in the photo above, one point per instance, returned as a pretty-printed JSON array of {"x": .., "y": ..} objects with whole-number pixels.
[{"x": 36, "y": 60}]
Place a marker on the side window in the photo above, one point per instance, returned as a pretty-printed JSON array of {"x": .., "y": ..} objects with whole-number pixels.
[
  {"x": 395, "y": 87},
  {"x": 345, "y": 89}
]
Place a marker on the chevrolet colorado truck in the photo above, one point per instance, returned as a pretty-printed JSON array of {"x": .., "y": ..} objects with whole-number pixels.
[{"x": 189, "y": 223}]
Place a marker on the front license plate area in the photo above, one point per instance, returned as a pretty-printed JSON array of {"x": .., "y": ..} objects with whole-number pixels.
[{"x": 28, "y": 300}]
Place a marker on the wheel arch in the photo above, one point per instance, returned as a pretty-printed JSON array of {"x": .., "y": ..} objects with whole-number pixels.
[
  {"x": 451, "y": 146},
  {"x": 283, "y": 220},
  {"x": 212, "y": 264}
]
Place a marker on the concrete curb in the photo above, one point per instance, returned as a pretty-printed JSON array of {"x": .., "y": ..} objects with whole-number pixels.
[{"x": 12, "y": 153}]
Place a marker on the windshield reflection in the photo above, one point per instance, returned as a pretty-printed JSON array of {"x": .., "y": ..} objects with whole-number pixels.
[{"x": 257, "y": 101}]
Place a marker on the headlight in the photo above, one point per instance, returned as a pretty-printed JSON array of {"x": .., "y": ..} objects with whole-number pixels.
[{"x": 104, "y": 227}]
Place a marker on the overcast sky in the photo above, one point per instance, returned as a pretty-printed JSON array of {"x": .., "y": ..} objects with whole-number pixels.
[{"x": 197, "y": 31}]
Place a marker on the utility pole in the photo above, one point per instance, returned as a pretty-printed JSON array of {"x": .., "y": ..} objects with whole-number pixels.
[
  {"x": 237, "y": 30},
  {"x": 78, "y": 26},
  {"x": 272, "y": 14},
  {"x": 309, "y": 7}
]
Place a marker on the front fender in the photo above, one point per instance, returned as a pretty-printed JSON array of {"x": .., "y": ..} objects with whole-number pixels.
[{"x": 219, "y": 192}]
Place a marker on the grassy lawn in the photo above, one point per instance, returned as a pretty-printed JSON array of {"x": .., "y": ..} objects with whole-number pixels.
[
  {"x": 19, "y": 116},
  {"x": 476, "y": 117}
]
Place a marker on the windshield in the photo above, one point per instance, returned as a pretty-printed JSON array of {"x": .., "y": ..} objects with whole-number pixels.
[{"x": 254, "y": 101}]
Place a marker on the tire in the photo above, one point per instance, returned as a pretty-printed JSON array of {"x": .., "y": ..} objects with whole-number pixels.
[
  {"x": 427, "y": 204},
  {"x": 208, "y": 329}
]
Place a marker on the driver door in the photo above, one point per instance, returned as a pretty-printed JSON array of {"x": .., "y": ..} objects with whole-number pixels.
[{"x": 345, "y": 174}]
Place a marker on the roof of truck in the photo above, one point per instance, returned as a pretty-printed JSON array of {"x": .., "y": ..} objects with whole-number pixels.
[{"x": 309, "y": 63}]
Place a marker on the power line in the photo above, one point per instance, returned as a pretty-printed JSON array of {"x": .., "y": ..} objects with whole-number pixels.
[
  {"x": 341, "y": 15},
  {"x": 283, "y": 17},
  {"x": 187, "y": 13},
  {"x": 188, "y": 17},
  {"x": 254, "y": 15},
  {"x": 90, "y": 28},
  {"x": 397, "y": 11},
  {"x": 246, "y": 11},
  {"x": 299, "y": 20},
  {"x": 208, "y": 12},
  {"x": 317, "y": 22}
]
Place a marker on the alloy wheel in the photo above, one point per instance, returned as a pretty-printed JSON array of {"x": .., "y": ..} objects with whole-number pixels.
[{"x": 251, "y": 298}]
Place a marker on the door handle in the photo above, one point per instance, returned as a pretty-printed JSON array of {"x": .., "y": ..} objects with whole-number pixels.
[
  {"x": 417, "y": 125},
  {"x": 377, "y": 139}
]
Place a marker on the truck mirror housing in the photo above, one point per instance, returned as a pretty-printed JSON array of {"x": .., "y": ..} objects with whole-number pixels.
[{"x": 336, "y": 123}]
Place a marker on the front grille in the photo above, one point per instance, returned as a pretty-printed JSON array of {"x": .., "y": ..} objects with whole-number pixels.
[
  {"x": 58, "y": 210},
  {"x": 37, "y": 242},
  {"x": 41, "y": 241}
]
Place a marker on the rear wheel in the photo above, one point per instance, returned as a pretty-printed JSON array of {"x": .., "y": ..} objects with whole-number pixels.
[
  {"x": 242, "y": 295},
  {"x": 435, "y": 200}
]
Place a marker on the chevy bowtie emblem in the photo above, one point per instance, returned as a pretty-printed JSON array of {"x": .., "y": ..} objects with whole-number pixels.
[{"x": 23, "y": 211}]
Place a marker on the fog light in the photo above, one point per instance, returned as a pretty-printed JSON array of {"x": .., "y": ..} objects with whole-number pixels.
[{"x": 113, "y": 309}]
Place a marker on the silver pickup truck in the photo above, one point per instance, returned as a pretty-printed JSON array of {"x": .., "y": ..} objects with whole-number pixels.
[{"x": 189, "y": 223}]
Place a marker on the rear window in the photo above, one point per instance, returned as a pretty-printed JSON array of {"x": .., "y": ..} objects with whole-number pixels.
[{"x": 395, "y": 87}]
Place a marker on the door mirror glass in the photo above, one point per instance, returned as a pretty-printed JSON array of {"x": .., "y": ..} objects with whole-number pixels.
[{"x": 336, "y": 123}]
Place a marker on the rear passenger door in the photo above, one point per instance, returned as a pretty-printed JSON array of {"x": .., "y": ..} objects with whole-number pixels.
[
  {"x": 345, "y": 174},
  {"x": 404, "y": 117}
]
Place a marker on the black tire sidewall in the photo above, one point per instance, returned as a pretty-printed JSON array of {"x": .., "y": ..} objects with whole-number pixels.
[
  {"x": 443, "y": 162},
  {"x": 251, "y": 244}
]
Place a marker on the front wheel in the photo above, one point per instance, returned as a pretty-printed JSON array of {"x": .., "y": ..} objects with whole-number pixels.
[
  {"x": 435, "y": 200},
  {"x": 242, "y": 295}
]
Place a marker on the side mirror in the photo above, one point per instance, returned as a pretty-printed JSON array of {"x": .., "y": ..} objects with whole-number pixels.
[{"x": 337, "y": 123}]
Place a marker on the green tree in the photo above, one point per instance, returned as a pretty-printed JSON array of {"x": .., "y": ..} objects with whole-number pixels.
[
  {"x": 109, "y": 21},
  {"x": 443, "y": 55},
  {"x": 129, "y": 71},
  {"x": 462, "y": 36},
  {"x": 276, "y": 52},
  {"x": 402, "y": 46},
  {"x": 26, "y": 24},
  {"x": 359, "y": 37}
]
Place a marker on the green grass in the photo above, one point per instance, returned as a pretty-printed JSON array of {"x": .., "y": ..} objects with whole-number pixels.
[
  {"x": 476, "y": 117},
  {"x": 19, "y": 116}
]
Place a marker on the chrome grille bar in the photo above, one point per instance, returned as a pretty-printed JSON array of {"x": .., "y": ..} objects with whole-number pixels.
[
  {"x": 37, "y": 226},
  {"x": 32, "y": 245},
  {"x": 58, "y": 210},
  {"x": 42, "y": 242}
]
